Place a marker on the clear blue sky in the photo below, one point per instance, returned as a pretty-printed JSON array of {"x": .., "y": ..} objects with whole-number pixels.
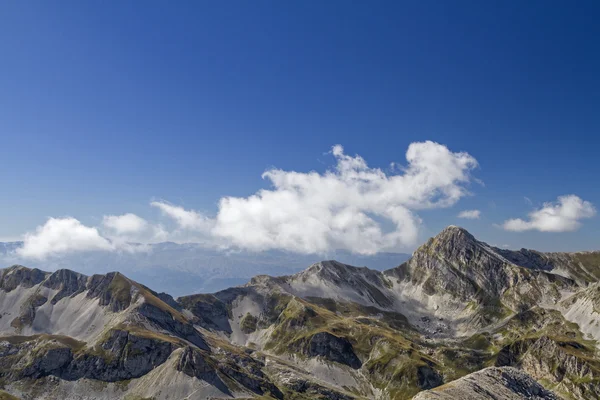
[{"x": 105, "y": 106}]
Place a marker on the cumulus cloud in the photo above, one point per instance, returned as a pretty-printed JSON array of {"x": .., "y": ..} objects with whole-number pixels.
[
  {"x": 185, "y": 219},
  {"x": 125, "y": 224},
  {"x": 128, "y": 230},
  {"x": 351, "y": 206},
  {"x": 469, "y": 214},
  {"x": 62, "y": 235},
  {"x": 347, "y": 206},
  {"x": 562, "y": 216}
]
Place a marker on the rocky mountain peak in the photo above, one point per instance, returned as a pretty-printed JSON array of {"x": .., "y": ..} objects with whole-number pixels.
[
  {"x": 325, "y": 271},
  {"x": 455, "y": 236},
  {"x": 337, "y": 280},
  {"x": 63, "y": 276},
  {"x": 327, "y": 266},
  {"x": 67, "y": 282},
  {"x": 337, "y": 272},
  {"x": 18, "y": 275},
  {"x": 457, "y": 246},
  {"x": 456, "y": 263}
]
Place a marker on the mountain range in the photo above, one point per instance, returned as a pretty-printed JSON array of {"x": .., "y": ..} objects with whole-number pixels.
[
  {"x": 459, "y": 318},
  {"x": 189, "y": 267}
]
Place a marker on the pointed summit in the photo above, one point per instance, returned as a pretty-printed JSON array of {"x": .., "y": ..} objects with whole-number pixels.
[
  {"x": 456, "y": 233},
  {"x": 454, "y": 262},
  {"x": 453, "y": 228},
  {"x": 451, "y": 241}
]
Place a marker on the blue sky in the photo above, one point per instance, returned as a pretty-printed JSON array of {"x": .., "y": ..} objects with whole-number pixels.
[{"x": 108, "y": 106}]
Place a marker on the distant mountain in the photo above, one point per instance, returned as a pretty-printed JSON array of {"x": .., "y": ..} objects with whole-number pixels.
[
  {"x": 190, "y": 268},
  {"x": 6, "y": 248},
  {"x": 459, "y": 319}
]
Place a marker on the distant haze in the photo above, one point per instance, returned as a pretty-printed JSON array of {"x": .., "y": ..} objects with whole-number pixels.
[{"x": 181, "y": 269}]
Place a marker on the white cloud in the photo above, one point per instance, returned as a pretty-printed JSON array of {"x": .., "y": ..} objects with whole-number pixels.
[
  {"x": 62, "y": 235},
  {"x": 562, "y": 216},
  {"x": 185, "y": 219},
  {"x": 344, "y": 207},
  {"x": 351, "y": 206},
  {"x": 469, "y": 214},
  {"x": 125, "y": 224},
  {"x": 126, "y": 230}
]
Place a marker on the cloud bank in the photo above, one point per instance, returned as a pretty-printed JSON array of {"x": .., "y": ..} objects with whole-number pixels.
[
  {"x": 469, "y": 214},
  {"x": 350, "y": 206},
  {"x": 62, "y": 235},
  {"x": 186, "y": 219},
  {"x": 124, "y": 224},
  {"x": 562, "y": 216},
  {"x": 344, "y": 208}
]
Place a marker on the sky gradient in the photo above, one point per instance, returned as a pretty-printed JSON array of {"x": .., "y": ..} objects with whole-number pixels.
[{"x": 108, "y": 107}]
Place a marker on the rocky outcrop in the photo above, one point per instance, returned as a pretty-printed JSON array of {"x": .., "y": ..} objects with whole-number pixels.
[
  {"x": 18, "y": 275},
  {"x": 27, "y": 312},
  {"x": 248, "y": 323},
  {"x": 168, "y": 299},
  {"x": 565, "y": 364},
  {"x": 583, "y": 267},
  {"x": 428, "y": 377},
  {"x": 113, "y": 290},
  {"x": 314, "y": 390},
  {"x": 491, "y": 383},
  {"x": 333, "y": 348},
  {"x": 67, "y": 282},
  {"x": 48, "y": 362},
  {"x": 176, "y": 325},
  {"x": 255, "y": 384},
  {"x": 246, "y": 371},
  {"x": 195, "y": 363},
  {"x": 122, "y": 355},
  {"x": 209, "y": 311}
]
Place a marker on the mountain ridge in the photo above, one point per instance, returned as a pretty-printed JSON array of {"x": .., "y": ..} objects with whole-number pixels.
[
  {"x": 330, "y": 331},
  {"x": 192, "y": 268}
]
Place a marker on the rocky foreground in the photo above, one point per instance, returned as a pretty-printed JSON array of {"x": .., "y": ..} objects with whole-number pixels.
[
  {"x": 430, "y": 327},
  {"x": 504, "y": 383}
]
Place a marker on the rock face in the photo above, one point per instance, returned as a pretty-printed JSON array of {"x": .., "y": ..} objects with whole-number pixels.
[
  {"x": 121, "y": 356},
  {"x": 112, "y": 289},
  {"x": 332, "y": 278},
  {"x": 563, "y": 364},
  {"x": 584, "y": 267},
  {"x": 454, "y": 262},
  {"x": 176, "y": 324},
  {"x": 198, "y": 365},
  {"x": 334, "y": 349},
  {"x": 67, "y": 282},
  {"x": 18, "y": 275},
  {"x": 333, "y": 331},
  {"x": 491, "y": 383},
  {"x": 208, "y": 310}
]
